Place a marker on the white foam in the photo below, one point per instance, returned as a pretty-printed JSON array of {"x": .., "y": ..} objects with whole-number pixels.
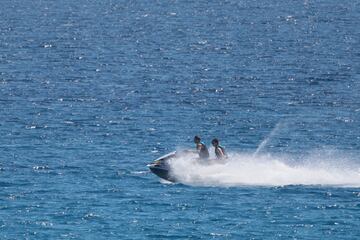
[{"x": 269, "y": 170}]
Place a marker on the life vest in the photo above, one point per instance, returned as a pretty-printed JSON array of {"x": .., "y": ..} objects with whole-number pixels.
[
  {"x": 220, "y": 152},
  {"x": 203, "y": 151}
]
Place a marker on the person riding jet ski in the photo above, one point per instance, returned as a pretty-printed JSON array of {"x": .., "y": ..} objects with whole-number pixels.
[
  {"x": 219, "y": 150},
  {"x": 201, "y": 148}
]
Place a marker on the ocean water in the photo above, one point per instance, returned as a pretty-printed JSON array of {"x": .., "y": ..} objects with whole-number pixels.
[{"x": 93, "y": 91}]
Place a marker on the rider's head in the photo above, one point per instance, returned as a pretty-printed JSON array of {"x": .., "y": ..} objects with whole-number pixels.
[
  {"x": 215, "y": 142},
  {"x": 197, "y": 139}
]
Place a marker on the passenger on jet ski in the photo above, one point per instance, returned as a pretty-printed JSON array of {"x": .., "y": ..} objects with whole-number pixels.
[
  {"x": 201, "y": 148},
  {"x": 219, "y": 150}
]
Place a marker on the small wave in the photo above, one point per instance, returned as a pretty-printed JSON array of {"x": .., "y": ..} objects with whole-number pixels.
[
  {"x": 139, "y": 172},
  {"x": 41, "y": 167}
]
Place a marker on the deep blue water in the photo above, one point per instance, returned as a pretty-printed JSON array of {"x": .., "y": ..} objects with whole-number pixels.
[{"x": 92, "y": 91}]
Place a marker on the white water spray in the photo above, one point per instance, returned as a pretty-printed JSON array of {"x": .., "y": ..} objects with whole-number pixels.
[
  {"x": 266, "y": 170},
  {"x": 276, "y": 129}
]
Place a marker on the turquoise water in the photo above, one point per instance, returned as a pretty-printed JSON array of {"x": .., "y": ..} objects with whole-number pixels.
[{"x": 92, "y": 91}]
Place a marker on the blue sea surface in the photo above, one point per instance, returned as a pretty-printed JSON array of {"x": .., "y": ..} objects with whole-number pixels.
[{"x": 93, "y": 91}]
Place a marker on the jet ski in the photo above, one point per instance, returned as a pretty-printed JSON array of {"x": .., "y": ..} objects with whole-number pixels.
[{"x": 161, "y": 166}]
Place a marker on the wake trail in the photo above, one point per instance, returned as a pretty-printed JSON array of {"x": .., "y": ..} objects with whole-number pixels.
[{"x": 267, "y": 170}]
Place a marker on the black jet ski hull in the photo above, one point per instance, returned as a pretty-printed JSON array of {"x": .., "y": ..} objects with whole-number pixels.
[
  {"x": 161, "y": 167},
  {"x": 162, "y": 172}
]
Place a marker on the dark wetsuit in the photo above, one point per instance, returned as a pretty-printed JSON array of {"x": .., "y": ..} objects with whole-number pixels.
[
  {"x": 220, "y": 152},
  {"x": 203, "y": 151}
]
